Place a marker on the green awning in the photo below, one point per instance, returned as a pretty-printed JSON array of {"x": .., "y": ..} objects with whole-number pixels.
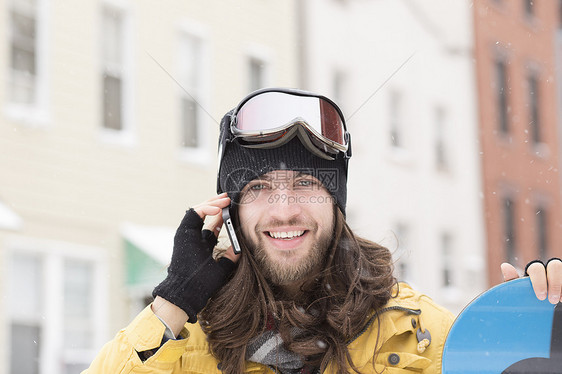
[{"x": 147, "y": 253}]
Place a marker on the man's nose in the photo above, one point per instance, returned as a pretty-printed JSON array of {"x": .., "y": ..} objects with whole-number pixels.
[{"x": 284, "y": 204}]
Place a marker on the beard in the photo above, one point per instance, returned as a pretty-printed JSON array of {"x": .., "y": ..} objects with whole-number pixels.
[{"x": 285, "y": 271}]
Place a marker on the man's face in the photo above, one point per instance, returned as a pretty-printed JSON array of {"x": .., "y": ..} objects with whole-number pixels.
[{"x": 287, "y": 218}]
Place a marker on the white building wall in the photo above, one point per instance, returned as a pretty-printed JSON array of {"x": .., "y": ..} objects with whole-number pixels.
[
  {"x": 423, "y": 51},
  {"x": 72, "y": 185}
]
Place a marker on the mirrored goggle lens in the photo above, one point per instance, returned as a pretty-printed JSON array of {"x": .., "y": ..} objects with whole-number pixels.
[{"x": 271, "y": 111}]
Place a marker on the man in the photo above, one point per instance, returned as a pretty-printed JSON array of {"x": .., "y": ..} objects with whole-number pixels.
[{"x": 307, "y": 295}]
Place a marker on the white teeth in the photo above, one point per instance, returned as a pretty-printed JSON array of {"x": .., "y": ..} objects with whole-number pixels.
[{"x": 285, "y": 234}]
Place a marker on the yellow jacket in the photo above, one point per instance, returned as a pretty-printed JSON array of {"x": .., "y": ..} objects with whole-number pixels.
[{"x": 398, "y": 348}]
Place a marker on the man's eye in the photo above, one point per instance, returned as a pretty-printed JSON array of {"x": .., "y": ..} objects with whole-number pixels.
[
  {"x": 258, "y": 187},
  {"x": 305, "y": 182}
]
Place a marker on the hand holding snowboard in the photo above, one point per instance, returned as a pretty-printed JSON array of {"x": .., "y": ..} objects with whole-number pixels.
[{"x": 510, "y": 328}]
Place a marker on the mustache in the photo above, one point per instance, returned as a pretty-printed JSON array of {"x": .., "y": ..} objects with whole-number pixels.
[{"x": 275, "y": 223}]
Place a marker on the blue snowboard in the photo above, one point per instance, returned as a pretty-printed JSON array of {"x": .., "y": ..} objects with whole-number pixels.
[{"x": 506, "y": 330}]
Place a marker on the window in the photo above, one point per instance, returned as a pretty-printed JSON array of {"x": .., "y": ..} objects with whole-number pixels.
[
  {"x": 502, "y": 107},
  {"x": 113, "y": 69},
  {"x": 338, "y": 86},
  {"x": 559, "y": 14},
  {"x": 54, "y": 317},
  {"x": 25, "y": 299},
  {"x": 402, "y": 254},
  {"x": 541, "y": 230},
  {"x": 78, "y": 299},
  {"x": 191, "y": 91},
  {"x": 256, "y": 74},
  {"x": 447, "y": 258},
  {"x": 26, "y": 80},
  {"x": 529, "y": 8},
  {"x": 395, "y": 111},
  {"x": 257, "y": 68},
  {"x": 534, "y": 118},
  {"x": 23, "y": 52},
  {"x": 508, "y": 209},
  {"x": 441, "y": 159}
]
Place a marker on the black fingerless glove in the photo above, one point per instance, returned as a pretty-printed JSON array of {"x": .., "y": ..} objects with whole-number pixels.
[
  {"x": 531, "y": 263},
  {"x": 540, "y": 262},
  {"x": 193, "y": 276}
]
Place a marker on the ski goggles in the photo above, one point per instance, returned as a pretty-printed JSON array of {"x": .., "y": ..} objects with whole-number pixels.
[{"x": 271, "y": 117}]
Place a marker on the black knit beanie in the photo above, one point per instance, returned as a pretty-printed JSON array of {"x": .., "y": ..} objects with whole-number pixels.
[{"x": 240, "y": 165}]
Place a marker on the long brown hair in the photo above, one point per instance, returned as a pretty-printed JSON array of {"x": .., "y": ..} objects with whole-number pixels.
[{"x": 356, "y": 279}]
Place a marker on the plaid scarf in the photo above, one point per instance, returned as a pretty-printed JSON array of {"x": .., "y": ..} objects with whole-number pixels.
[{"x": 269, "y": 349}]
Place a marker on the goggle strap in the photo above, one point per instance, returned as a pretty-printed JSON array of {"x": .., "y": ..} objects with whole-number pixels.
[{"x": 348, "y": 139}]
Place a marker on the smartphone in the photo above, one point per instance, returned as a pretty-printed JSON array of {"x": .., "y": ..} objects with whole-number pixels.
[{"x": 230, "y": 230}]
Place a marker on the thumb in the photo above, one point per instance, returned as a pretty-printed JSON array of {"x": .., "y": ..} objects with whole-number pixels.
[{"x": 508, "y": 271}]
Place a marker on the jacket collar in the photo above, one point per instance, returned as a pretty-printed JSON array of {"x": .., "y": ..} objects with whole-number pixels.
[{"x": 394, "y": 318}]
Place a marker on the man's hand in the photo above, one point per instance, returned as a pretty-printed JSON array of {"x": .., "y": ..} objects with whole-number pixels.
[
  {"x": 193, "y": 276},
  {"x": 546, "y": 281}
]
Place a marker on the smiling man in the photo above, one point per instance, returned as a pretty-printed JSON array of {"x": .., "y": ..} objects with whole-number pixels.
[
  {"x": 289, "y": 224},
  {"x": 305, "y": 295}
]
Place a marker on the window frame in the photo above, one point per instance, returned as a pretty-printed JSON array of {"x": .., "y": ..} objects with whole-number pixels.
[
  {"x": 36, "y": 113},
  {"x": 509, "y": 237},
  {"x": 529, "y": 9},
  {"x": 534, "y": 98},
  {"x": 441, "y": 150},
  {"x": 202, "y": 154},
  {"x": 126, "y": 134},
  {"x": 339, "y": 83},
  {"x": 447, "y": 254},
  {"x": 52, "y": 256},
  {"x": 403, "y": 254},
  {"x": 396, "y": 120},
  {"x": 542, "y": 230},
  {"x": 501, "y": 99},
  {"x": 542, "y": 201},
  {"x": 262, "y": 54}
]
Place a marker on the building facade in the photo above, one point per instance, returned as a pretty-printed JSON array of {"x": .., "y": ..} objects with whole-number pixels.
[
  {"x": 109, "y": 113},
  {"x": 515, "y": 54},
  {"x": 109, "y": 116},
  {"x": 403, "y": 72}
]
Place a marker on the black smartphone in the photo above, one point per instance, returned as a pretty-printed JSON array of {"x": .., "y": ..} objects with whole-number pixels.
[{"x": 230, "y": 230}]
